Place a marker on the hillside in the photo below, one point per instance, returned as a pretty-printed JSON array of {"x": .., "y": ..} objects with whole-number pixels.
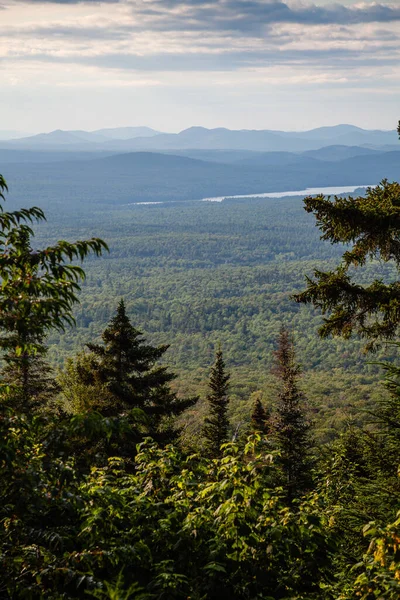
[{"x": 142, "y": 176}]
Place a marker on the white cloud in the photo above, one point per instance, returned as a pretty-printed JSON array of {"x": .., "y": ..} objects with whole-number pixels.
[{"x": 211, "y": 46}]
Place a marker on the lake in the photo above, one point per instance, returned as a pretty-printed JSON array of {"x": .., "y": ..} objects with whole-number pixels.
[{"x": 326, "y": 191}]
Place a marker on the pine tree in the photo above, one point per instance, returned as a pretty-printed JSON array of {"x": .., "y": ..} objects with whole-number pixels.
[
  {"x": 216, "y": 425},
  {"x": 259, "y": 417},
  {"x": 126, "y": 365},
  {"x": 290, "y": 426}
]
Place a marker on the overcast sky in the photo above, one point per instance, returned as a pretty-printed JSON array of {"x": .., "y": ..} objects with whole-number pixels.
[{"x": 170, "y": 64}]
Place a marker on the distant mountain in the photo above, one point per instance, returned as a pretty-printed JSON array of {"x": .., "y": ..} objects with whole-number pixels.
[
  {"x": 259, "y": 140},
  {"x": 152, "y": 177},
  {"x": 216, "y": 139},
  {"x": 340, "y": 152},
  {"x": 126, "y": 133},
  {"x": 200, "y": 138},
  {"x": 76, "y": 140},
  {"x": 329, "y": 133},
  {"x": 279, "y": 159},
  {"x": 58, "y": 138},
  {"x": 252, "y": 157}
]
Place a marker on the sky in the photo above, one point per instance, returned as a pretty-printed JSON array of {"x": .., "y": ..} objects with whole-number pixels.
[{"x": 171, "y": 64}]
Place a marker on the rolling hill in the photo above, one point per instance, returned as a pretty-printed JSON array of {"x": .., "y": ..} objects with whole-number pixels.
[{"x": 150, "y": 177}]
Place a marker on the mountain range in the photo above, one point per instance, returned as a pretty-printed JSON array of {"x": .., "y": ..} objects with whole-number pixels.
[{"x": 127, "y": 139}]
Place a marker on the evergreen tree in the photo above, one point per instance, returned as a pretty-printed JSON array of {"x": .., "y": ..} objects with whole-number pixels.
[
  {"x": 30, "y": 377},
  {"x": 216, "y": 425},
  {"x": 126, "y": 366},
  {"x": 259, "y": 417},
  {"x": 290, "y": 426},
  {"x": 386, "y": 414},
  {"x": 371, "y": 224}
]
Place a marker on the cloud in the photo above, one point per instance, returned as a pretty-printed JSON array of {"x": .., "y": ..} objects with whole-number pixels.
[
  {"x": 62, "y": 2},
  {"x": 242, "y": 15},
  {"x": 253, "y": 16},
  {"x": 216, "y": 36}
]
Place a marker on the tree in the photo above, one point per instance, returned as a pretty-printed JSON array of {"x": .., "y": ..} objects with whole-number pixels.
[
  {"x": 124, "y": 367},
  {"x": 259, "y": 417},
  {"x": 386, "y": 414},
  {"x": 38, "y": 290},
  {"x": 216, "y": 425},
  {"x": 30, "y": 378},
  {"x": 372, "y": 226},
  {"x": 290, "y": 425}
]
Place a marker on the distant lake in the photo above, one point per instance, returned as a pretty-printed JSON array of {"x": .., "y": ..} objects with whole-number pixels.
[{"x": 326, "y": 191}]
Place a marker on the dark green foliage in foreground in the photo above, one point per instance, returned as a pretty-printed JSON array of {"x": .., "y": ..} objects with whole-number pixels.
[
  {"x": 177, "y": 527},
  {"x": 180, "y": 527},
  {"x": 372, "y": 226},
  {"x": 215, "y": 429}
]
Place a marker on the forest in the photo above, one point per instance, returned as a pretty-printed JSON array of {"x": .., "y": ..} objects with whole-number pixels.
[
  {"x": 209, "y": 408},
  {"x": 195, "y": 275}
]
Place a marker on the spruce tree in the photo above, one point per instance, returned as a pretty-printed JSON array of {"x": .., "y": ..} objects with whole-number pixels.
[
  {"x": 29, "y": 376},
  {"x": 126, "y": 365},
  {"x": 290, "y": 426},
  {"x": 369, "y": 227},
  {"x": 259, "y": 417},
  {"x": 216, "y": 424}
]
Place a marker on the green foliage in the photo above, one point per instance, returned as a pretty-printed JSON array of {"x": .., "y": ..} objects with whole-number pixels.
[
  {"x": 80, "y": 393},
  {"x": 117, "y": 591},
  {"x": 260, "y": 417},
  {"x": 387, "y": 412},
  {"x": 371, "y": 224},
  {"x": 122, "y": 375},
  {"x": 212, "y": 528},
  {"x": 216, "y": 424},
  {"x": 176, "y": 527},
  {"x": 30, "y": 377},
  {"x": 162, "y": 524},
  {"x": 195, "y": 274},
  {"x": 290, "y": 425},
  {"x": 378, "y": 575},
  {"x": 37, "y": 293}
]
